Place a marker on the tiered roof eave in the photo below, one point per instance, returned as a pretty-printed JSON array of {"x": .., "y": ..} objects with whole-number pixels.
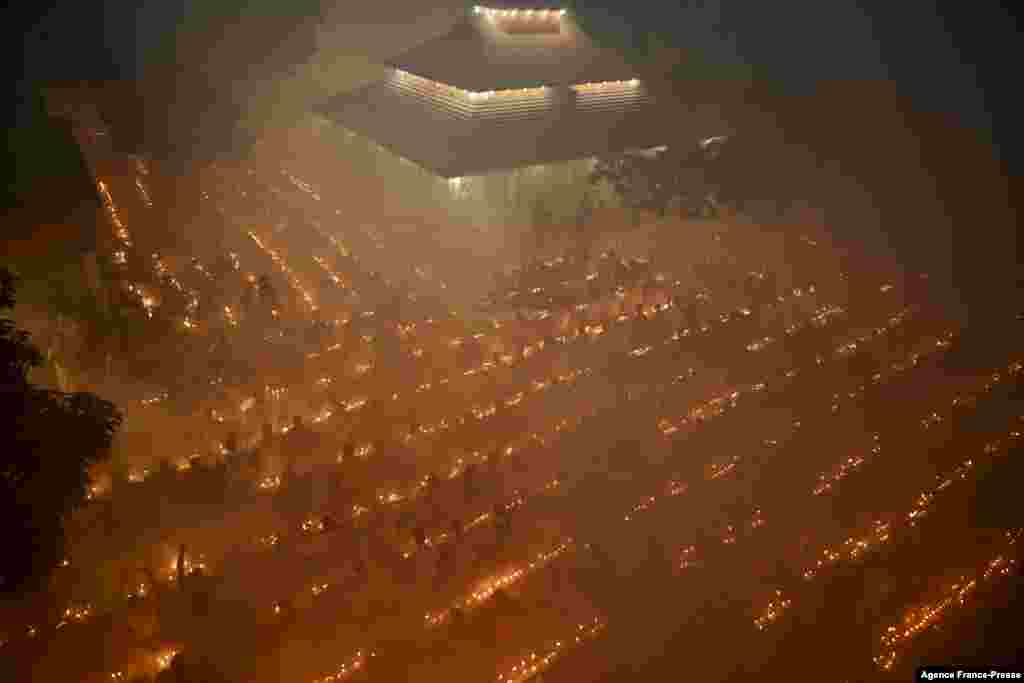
[
  {"x": 476, "y": 56},
  {"x": 478, "y": 99}
]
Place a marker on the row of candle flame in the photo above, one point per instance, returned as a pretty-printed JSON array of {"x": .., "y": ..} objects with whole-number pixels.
[
  {"x": 754, "y": 525},
  {"x": 729, "y": 537},
  {"x": 719, "y": 470},
  {"x": 898, "y": 637},
  {"x": 388, "y": 499},
  {"x": 394, "y": 496},
  {"x": 642, "y": 354},
  {"x": 853, "y": 548},
  {"x": 482, "y": 412}
]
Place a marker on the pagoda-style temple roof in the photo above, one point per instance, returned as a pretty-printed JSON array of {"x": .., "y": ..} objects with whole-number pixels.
[
  {"x": 504, "y": 89},
  {"x": 453, "y": 141},
  {"x": 497, "y": 51}
]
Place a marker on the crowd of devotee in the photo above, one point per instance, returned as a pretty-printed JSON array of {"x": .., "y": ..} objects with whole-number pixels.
[{"x": 328, "y": 474}]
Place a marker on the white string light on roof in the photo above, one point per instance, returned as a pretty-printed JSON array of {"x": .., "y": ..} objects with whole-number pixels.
[
  {"x": 539, "y": 13},
  {"x": 535, "y": 91}
]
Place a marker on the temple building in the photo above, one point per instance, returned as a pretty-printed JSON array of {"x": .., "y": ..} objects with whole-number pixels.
[{"x": 509, "y": 105}]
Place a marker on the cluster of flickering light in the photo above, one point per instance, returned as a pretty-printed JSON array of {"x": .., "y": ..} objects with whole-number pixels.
[
  {"x": 268, "y": 541},
  {"x": 120, "y": 230},
  {"x": 164, "y": 659},
  {"x": 507, "y": 359},
  {"x": 153, "y": 400},
  {"x": 164, "y": 274},
  {"x": 922, "y": 504},
  {"x": 351, "y": 666},
  {"x": 273, "y": 482},
  {"x": 672, "y": 489},
  {"x": 854, "y": 548},
  {"x": 513, "y": 400},
  {"x": 313, "y": 525},
  {"x": 139, "y": 592},
  {"x": 718, "y": 406},
  {"x": 688, "y": 556},
  {"x": 719, "y": 470},
  {"x": 404, "y": 328},
  {"x": 491, "y": 586},
  {"x": 75, "y": 614},
  {"x": 289, "y": 274},
  {"x": 534, "y": 663},
  {"x": 518, "y": 502},
  {"x": 827, "y": 481},
  {"x": 270, "y": 483},
  {"x": 302, "y": 185},
  {"x": 772, "y": 611},
  {"x": 148, "y": 300},
  {"x": 897, "y": 637},
  {"x": 851, "y": 549},
  {"x": 542, "y": 384},
  {"x": 143, "y": 193},
  {"x": 476, "y": 598},
  {"x": 532, "y": 439},
  {"x": 191, "y": 565},
  {"x": 203, "y": 270},
  {"x": 334, "y": 276}
]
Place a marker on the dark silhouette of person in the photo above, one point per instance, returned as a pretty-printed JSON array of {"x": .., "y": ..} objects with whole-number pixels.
[{"x": 180, "y": 568}]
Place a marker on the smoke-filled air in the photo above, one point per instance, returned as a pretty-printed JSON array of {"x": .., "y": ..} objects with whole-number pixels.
[{"x": 499, "y": 343}]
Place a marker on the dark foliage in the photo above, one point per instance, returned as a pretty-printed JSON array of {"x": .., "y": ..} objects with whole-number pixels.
[
  {"x": 695, "y": 179},
  {"x": 656, "y": 181},
  {"x": 49, "y": 442}
]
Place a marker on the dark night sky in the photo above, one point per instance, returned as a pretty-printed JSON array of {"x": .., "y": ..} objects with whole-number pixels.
[{"x": 936, "y": 52}]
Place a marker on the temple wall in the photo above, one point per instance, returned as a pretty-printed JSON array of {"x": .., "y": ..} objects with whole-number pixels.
[{"x": 499, "y": 197}]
